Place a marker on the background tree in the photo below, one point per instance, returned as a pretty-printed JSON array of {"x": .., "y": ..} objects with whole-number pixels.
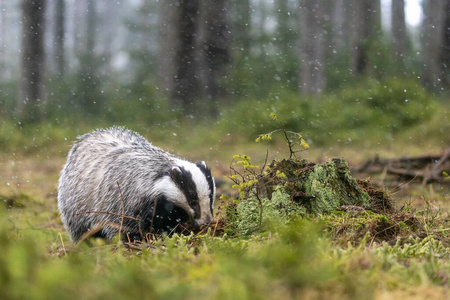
[
  {"x": 2, "y": 37},
  {"x": 365, "y": 25},
  {"x": 286, "y": 42},
  {"x": 167, "y": 43},
  {"x": 186, "y": 88},
  {"x": 398, "y": 34},
  {"x": 179, "y": 67},
  {"x": 241, "y": 27},
  {"x": 445, "y": 57},
  {"x": 194, "y": 51},
  {"x": 143, "y": 51},
  {"x": 240, "y": 45},
  {"x": 59, "y": 36},
  {"x": 339, "y": 34},
  {"x": 2, "y": 50},
  {"x": 434, "y": 36},
  {"x": 284, "y": 39},
  {"x": 55, "y": 37},
  {"x": 312, "y": 46},
  {"x": 214, "y": 44},
  {"x": 31, "y": 92},
  {"x": 197, "y": 52},
  {"x": 88, "y": 96}
]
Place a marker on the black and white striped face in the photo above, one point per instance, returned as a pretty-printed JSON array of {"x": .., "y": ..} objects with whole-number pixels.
[{"x": 191, "y": 187}]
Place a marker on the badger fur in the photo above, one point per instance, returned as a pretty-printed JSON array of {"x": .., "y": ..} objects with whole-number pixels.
[{"x": 159, "y": 190}]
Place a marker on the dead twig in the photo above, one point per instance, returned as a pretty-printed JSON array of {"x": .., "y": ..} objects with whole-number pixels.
[
  {"x": 62, "y": 243},
  {"x": 122, "y": 217},
  {"x": 217, "y": 223},
  {"x": 437, "y": 165},
  {"x": 107, "y": 213},
  {"x": 123, "y": 213},
  {"x": 427, "y": 168}
]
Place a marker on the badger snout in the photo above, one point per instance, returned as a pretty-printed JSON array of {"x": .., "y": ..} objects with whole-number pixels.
[{"x": 204, "y": 220}]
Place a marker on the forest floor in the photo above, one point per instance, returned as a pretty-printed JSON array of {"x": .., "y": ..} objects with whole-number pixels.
[{"x": 314, "y": 257}]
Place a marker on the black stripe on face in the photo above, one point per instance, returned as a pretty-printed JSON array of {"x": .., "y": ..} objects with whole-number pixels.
[
  {"x": 183, "y": 180},
  {"x": 207, "y": 172}
]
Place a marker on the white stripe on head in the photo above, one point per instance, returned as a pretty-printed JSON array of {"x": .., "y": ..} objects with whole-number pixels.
[
  {"x": 203, "y": 190},
  {"x": 168, "y": 188}
]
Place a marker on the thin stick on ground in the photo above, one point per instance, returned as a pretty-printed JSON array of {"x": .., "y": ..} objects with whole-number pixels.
[
  {"x": 217, "y": 223},
  {"x": 62, "y": 242},
  {"x": 107, "y": 213},
  {"x": 123, "y": 212},
  {"x": 265, "y": 162},
  {"x": 122, "y": 215},
  {"x": 427, "y": 168}
]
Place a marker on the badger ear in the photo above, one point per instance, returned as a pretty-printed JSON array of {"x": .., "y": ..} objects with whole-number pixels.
[
  {"x": 176, "y": 174},
  {"x": 201, "y": 164},
  {"x": 175, "y": 170}
]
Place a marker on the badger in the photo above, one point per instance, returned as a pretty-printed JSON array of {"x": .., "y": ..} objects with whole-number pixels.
[{"x": 114, "y": 179}]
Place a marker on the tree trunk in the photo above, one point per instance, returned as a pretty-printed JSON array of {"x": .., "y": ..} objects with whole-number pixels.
[
  {"x": 79, "y": 29},
  {"x": 168, "y": 43},
  {"x": 59, "y": 37},
  {"x": 91, "y": 28},
  {"x": 186, "y": 86},
  {"x": 242, "y": 20},
  {"x": 2, "y": 38},
  {"x": 31, "y": 92},
  {"x": 214, "y": 44},
  {"x": 365, "y": 20},
  {"x": 88, "y": 82},
  {"x": 283, "y": 35},
  {"x": 434, "y": 35},
  {"x": 445, "y": 57},
  {"x": 338, "y": 32},
  {"x": 399, "y": 35},
  {"x": 312, "y": 18},
  {"x": 179, "y": 52}
]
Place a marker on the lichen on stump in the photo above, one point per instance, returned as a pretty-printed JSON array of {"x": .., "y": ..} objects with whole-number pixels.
[
  {"x": 290, "y": 188},
  {"x": 332, "y": 186},
  {"x": 320, "y": 188}
]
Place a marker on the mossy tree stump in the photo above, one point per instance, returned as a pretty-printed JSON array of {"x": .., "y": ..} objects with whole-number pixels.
[
  {"x": 320, "y": 188},
  {"x": 290, "y": 188}
]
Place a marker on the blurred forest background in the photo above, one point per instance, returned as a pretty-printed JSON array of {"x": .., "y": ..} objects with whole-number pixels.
[
  {"x": 232, "y": 62},
  {"x": 358, "y": 78}
]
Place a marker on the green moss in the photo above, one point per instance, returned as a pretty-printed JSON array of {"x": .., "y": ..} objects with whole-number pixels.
[
  {"x": 277, "y": 211},
  {"x": 332, "y": 186},
  {"x": 319, "y": 188},
  {"x": 367, "y": 226},
  {"x": 303, "y": 188}
]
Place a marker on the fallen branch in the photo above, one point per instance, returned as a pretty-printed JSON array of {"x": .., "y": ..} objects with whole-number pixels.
[
  {"x": 122, "y": 216},
  {"x": 123, "y": 213},
  {"x": 427, "y": 168},
  {"x": 108, "y": 213}
]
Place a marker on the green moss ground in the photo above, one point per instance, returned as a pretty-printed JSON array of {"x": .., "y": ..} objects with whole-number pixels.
[{"x": 394, "y": 247}]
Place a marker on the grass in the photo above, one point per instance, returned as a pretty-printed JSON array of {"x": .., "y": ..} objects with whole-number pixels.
[
  {"x": 310, "y": 258},
  {"x": 300, "y": 259},
  {"x": 296, "y": 260}
]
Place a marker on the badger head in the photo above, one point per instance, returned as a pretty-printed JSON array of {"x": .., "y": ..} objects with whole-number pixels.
[{"x": 189, "y": 187}]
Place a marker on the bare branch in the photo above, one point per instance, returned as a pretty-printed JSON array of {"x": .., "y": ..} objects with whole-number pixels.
[{"x": 107, "y": 213}]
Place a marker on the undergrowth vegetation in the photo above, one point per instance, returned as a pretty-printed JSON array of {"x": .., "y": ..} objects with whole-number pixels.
[
  {"x": 392, "y": 109},
  {"x": 287, "y": 260},
  {"x": 268, "y": 240},
  {"x": 380, "y": 109}
]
